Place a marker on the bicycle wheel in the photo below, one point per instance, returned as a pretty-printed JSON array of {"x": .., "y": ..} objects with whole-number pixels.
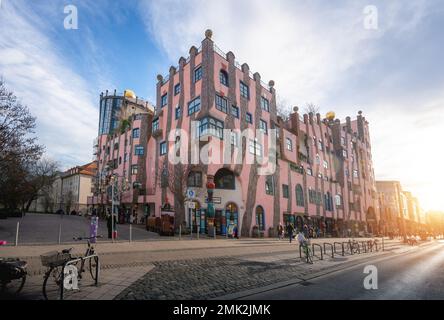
[
  {"x": 52, "y": 283},
  {"x": 12, "y": 287},
  {"x": 94, "y": 267}
]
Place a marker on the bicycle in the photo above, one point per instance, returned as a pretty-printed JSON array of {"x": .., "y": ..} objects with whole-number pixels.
[
  {"x": 55, "y": 278},
  {"x": 307, "y": 251},
  {"x": 12, "y": 276}
]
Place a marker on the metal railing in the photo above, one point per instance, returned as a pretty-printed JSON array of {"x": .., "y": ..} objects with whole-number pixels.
[
  {"x": 342, "y": 247},
  {"x": 315, "y": 245},
  {"x": 331, "y": 247}
]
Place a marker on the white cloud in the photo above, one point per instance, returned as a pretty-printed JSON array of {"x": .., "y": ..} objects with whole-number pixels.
[{"x": 65, "y": 107}]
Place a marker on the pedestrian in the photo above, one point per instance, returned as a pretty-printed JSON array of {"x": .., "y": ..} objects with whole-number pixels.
[
  {"x": 280, "y": 231},
  {"x": 290, "y": 231},
  {"x": 109, "y": 224}
]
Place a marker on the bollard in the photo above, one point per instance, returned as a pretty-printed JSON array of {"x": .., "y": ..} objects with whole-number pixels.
[
  {"x": 60, "y": 233},
  {"x": 17, "y": 234},
  {"x": 214, "y": 233},
  {"x": 198, "y": 232},
  {"x": 131, "y": 233},
  {"x": 180, "y": 232}
]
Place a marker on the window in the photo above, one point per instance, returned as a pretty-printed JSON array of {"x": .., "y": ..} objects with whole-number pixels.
[
  {"x": 212, "y": 127},
  {"x": 136, "y": 133},
  {"x": 338, "y": 200},
  {"x": 289, "y": 144},
  {"x": 197, "y": 74},
  {"x": 309, "y": 171},
  {"x": 235, "y": 111},
  {"x": 347, "y": 173},
  {"x": 134, "y": 169},
  {"x": 265, "y": 104},
  {"x": 195, "y": 179},
  {"x": 318, "y": 159},
  {"x": 224, "y": 179},
  {"x": 223, "y": 77},
  {"x": 125, "y": 157},
  {"x": 164, "y": 100},
  {"x": 163, "y": 148},
  {"x": 269, "y": 185},
  {"x": 244, "y": 90},
  {"x": 285, "y": 191},
  {"x": 328, "y": 202},
  {"x": 155, "y": 125},
  {"x": 249, "y": 118},
  {"x": 325, "y": 164},
  {"x": 299, "y": 196},
  {"x": 120, "y": 160},
  {"x": 343, "y": 141},
  {"x": 139, "y": 150},
  {"x": 263, "y": 126},
  {"x": 177, "y": 89},
  {"x": 221, "y": 103},
  {"x": 320, "y": 145},
  {"x": 255, "y": 148},
  {"x": 194, "y": 106},
  {"x": 178, "y": 112},
  {"x": 344, "y": 153},
  {"x": 355, "y": 173},
  {"x": 234, "y": 139}
]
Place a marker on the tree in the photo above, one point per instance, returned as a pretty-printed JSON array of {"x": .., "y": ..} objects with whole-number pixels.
[
  {"x": 311, "y": 108},
  {"x": 282, "y": 108},
  {"x": 18, "y": 149},
  {"x": 175, "y": 179}
]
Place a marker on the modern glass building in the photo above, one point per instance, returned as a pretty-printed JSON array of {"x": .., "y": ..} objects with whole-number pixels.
[{"x": 109, "y": 113}]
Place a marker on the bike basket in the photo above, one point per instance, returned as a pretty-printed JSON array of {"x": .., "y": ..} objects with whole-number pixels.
[{"x": 54, "y": 258}]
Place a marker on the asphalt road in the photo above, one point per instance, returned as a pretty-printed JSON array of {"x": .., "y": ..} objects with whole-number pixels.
[
  {"x": 417, "y": 275},
  {"x": 44, "y": 229}
]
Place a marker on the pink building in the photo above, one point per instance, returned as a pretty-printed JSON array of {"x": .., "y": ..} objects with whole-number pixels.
[{"x": 323, "y": 174}]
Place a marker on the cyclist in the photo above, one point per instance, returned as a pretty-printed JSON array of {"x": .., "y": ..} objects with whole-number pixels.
[{"x": 304, "y": 243}]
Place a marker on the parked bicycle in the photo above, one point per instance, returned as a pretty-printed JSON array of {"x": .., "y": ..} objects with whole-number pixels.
[
  {"x": 59, "y": 274},
  {"x": 12, "y": 276}
]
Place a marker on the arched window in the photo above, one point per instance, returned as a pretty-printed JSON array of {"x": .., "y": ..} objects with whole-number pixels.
[
  {"x": 338, "y": 200},
  {"x": 300, "y": 196},
  {"x": 260, "y": 218},
  {"x": 195, "y": 179},
  {"x": 224, "y": 179},
  {"x": 328, "y": 202},
  {"x": 223, "y": 77}
]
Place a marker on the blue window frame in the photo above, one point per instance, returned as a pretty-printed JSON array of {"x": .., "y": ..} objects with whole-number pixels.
[
  {"x": 178, "y": 112},
  {"x": 235, "y": 111},
  {"x": 163, "y": 148},
  {"x": 164, "y": 100},
  {"x": 197, "y": 74},
  {"x": 265, "y": 104},
  {"x": 263, "y": 126},
  {"x": 139, "y": 150},
  {"x": 223, "y": 78},
  {"x": 221, "y": 104},
  {"x": 249, "y": 118},
  {"x": 155, "y": 126},
  {"x": 177, "y": 89},
  {"x": 194, "y": 106},
  {"x": 212, "y": 127},
  {"x": 136, "y": 133},
  {"x": 244, "y": 90}
]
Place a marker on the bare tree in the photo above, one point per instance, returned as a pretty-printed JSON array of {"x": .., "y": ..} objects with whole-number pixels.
[
  {"x": 175, "y": 179},
  {"x": 311, "y": 108},
  {"x": 283, "y": 108}
]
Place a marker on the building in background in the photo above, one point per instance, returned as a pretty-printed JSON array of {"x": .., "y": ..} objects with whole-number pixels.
[
  {"x": 120, "y": 150},
  {"x": 324, "y": 177}
]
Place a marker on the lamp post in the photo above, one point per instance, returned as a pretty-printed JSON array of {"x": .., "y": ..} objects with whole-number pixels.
[{"x": 211, "y": 215}]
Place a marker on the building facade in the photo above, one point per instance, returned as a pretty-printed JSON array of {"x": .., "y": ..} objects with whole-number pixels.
[{"x": 241, "y": 164}]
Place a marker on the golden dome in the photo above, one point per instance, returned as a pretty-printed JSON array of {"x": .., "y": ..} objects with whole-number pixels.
[
  {"x": 330, "y": 115},
  {"x": 130, "y": 94}
]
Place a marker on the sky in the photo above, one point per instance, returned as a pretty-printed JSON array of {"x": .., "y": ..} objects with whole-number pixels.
[{"x": 381, "y": 57}]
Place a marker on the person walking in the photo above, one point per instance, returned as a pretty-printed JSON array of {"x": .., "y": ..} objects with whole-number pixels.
[
  {"x": 280, "y": 231},
  {"x": 290, "y": 231},
  {"x": 109, "y": 224}
]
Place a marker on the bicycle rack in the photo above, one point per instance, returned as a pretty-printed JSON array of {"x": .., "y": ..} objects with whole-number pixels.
[
  {"x": 349, "y": 246},
  {"x": 313, "y": 250},
  {"x": 332, "y": 249},
  {"x": 300, "y": 251},
  {"x": 364, "y": 246},
  {"x": 342, "y": 246},
  {"x": 81, "y": 259}
]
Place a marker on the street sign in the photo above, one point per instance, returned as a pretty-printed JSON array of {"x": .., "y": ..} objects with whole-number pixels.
[
  {"x": 191, "y": 194},
  {"x": 192, "y": 205},
  {"x": 216, "y": 200}
]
